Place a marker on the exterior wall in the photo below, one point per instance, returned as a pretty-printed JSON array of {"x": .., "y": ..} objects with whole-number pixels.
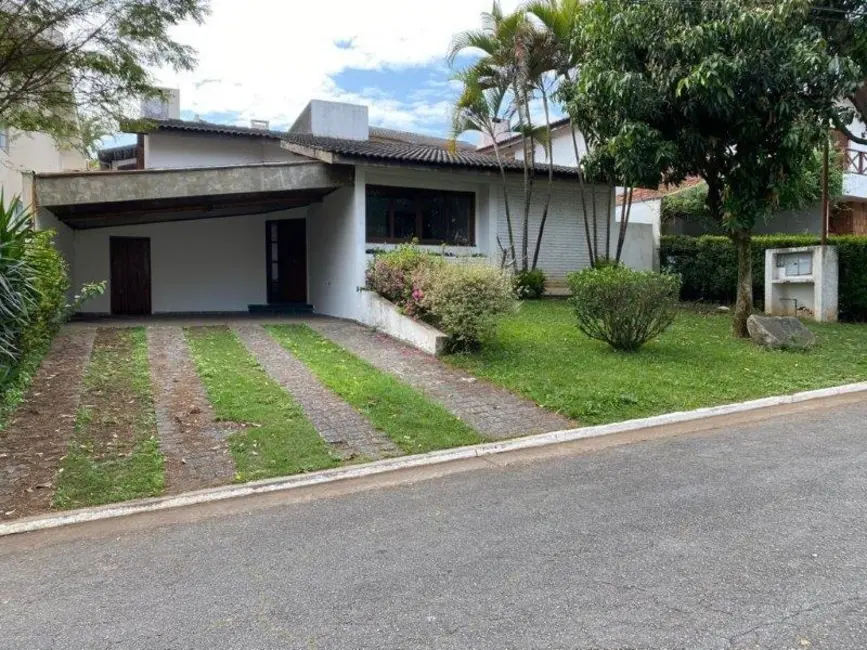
[
  {"x": 178, "y": 150},
  {"x": 637, "y": 253},
  {"x": 793, "y": 222},
  {"x": 205, "y": 265},
  {"x": 35, "y": 152},
  {"x": 335, "y": 251},
  {"x": 564, "y": 244},
  {"x": 562, "y": 148},
  {"x": 645, "y": 212}
]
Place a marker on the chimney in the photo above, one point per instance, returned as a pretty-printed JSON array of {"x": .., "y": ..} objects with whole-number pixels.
[
  {"x": 262, "y": 125},
  {"x": 165, "y": 107},
  {"x": 502, "y": 131},
  {"x": 333, "y": 120}
]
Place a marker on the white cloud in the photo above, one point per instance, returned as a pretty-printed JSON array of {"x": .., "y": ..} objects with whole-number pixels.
[{"x": 266, "y": 58}]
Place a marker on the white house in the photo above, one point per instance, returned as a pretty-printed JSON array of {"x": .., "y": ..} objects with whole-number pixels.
[
  {"x": 23, "y": 152},
  {"x": 203, "y": 217}
]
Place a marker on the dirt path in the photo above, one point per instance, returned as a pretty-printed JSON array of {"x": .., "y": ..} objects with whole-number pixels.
[
  {"x": 40, "y": 429},
  {"x": 192, "y": 441},
  {"x": 337, "y": 422},
  {"x": 492, "y": 411}
]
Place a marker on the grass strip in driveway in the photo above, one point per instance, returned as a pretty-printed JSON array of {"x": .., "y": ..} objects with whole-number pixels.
[
  {"x": 274, "y": 436},
  {"x": 406, "y": 416},
  {"x": 114, "y": 454}
]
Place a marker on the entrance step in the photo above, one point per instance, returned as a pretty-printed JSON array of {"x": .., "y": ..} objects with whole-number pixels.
[{"x": 281, "y": 308}]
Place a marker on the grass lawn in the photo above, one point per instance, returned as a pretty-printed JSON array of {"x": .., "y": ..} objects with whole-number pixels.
[
  {"x": 406, "y": 416},
  {"x": 540, "y": 353},
  {"x": 115, "y": 453},
  {"x": 277, "y": 439}
]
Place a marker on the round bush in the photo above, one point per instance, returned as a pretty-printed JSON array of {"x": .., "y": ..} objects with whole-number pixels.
[
  {"x": 529, "y": 285},
  {"x": 622, "y": 307}
]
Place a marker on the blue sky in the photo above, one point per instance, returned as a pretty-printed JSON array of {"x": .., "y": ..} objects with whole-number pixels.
[{"x": 264, "y": 59}]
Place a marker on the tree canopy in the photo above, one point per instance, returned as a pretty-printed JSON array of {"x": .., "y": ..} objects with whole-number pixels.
[{"x": 71, "y": 68}]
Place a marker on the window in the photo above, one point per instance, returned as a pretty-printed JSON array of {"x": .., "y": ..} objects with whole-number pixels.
[{"x": 400, "y": 214}]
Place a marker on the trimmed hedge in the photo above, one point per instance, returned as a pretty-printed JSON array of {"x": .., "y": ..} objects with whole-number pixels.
[{"x": 709, "y": 270}]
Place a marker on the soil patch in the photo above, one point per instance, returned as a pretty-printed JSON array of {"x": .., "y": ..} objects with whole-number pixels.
[{"x": 38, "y": 433}]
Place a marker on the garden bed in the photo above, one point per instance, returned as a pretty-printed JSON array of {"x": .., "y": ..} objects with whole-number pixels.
[{"x": 540, "y": 354}]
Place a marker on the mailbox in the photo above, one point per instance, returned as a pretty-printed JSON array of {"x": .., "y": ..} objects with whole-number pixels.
[{"x": 802, "y": 282}]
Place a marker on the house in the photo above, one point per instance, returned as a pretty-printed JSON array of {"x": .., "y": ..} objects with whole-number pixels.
[
  {"x": 199, "y": 217},
  {"x": 25, "y": 152}
]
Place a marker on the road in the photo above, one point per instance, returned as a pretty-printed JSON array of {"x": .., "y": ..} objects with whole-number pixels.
[{"x": 752, "y": 537}]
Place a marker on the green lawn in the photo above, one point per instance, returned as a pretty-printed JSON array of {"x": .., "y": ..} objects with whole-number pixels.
[
  {"x": 114, "y": 454},
  {"x": 413, "y": 422},
  {"x": 541, "y": 354},
  {"x": 277, "y": 438}
]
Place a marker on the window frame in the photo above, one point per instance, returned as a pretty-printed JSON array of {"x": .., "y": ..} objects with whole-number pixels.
[{"x": 417, "y": 194}]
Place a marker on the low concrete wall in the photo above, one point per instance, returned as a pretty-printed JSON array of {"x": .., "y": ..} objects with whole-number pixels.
[{"x": 383, "y": 315}]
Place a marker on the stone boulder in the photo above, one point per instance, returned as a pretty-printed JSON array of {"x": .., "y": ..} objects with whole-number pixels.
[{"x": 781, "y": 332}]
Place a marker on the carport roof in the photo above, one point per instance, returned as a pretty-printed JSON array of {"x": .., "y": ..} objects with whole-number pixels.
[{"x": 108, "y": 198}]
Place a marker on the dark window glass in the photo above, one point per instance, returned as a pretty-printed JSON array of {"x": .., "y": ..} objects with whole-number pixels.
[{"x": 396, "y": 214}]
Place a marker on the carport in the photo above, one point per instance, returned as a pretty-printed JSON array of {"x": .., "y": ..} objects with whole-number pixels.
[{"x": 203, "y": 240}]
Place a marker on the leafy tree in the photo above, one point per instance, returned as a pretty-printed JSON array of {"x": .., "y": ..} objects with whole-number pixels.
[
  {"x": 739, "y": 92},
  {"x": 69, "y": 68}
]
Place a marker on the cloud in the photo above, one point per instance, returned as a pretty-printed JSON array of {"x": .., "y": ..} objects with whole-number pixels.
[{"x": 265, "y": 59}]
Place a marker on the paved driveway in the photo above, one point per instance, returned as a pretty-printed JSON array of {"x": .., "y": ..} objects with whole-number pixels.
[{"x": 747, "y": 538}]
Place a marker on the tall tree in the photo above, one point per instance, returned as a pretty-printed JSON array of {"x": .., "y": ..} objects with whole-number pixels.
[
  {"x": 739, "y": 92},
  {"x": 69, "y": 68}
]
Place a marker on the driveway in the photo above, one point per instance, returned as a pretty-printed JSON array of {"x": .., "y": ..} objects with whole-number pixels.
[{"x": 754, "y": 537}]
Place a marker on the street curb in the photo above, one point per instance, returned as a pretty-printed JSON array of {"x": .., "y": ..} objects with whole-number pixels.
[{"x": 140, "y": 506}]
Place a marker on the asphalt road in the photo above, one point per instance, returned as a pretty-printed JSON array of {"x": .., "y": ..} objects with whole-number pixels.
[{"x": 753, "y": 537}]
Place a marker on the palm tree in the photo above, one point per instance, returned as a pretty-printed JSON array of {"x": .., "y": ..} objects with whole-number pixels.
[
  {"x": 560, "y": 19},
  {"x": 484, "y": 111}
]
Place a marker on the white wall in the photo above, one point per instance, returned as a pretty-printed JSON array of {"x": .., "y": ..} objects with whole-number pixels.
[
  {"x": 562, "y": 148},
  {"x": 173, "y": 150},
  {"x": 335, "y": 254},
  {"x": 645, "y": 212},
  {"x": 35, "y": 152},
  {"x": 205, "y": 265}
]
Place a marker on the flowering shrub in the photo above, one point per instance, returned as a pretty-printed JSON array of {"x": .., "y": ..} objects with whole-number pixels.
[{"x": 460, "y": 299}]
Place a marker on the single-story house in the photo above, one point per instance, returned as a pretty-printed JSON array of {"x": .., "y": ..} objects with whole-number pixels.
[{"x": 199, "y": 217}]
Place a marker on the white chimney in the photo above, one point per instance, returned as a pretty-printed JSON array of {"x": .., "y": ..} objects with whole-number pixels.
[
  {"x": 502, "y": 131},
  {"x": 263, "y": 125},
  {"x": 165, "y": 107},
  {"x": 333, "y": 120}
]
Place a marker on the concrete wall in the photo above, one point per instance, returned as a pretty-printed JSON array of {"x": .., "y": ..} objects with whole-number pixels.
[
  {"x": 562, "y": 148},
  {"x": 196, "y": 266},
  {"x": 36, "y": 152},
  {"x": 645, "y": 212},
  {"x": 179, "y": 150},
  {"x": 335, "y": 236}
]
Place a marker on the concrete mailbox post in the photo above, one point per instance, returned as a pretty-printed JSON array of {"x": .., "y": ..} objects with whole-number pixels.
[{"x": 802, "y": 282}]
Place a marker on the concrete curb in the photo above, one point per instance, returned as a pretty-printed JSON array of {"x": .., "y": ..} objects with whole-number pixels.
[{"x": 140, "y": 506}]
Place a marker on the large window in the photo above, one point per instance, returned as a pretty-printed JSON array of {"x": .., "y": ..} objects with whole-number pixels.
[{"x": 400, "y": 214}]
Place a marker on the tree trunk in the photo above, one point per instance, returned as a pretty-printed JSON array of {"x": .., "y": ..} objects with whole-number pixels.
[
  {"x": 583, "y": 191},
  {"x": 624, "y": 222},
  {"x": 742, "y": 240},
  {"x": 513, "y": 261},
  {"x": 550, "y": 152},
  {"x": 609, "y": 214}
]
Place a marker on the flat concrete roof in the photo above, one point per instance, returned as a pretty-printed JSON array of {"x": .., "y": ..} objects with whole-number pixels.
[{"x": 69, "y": 189}]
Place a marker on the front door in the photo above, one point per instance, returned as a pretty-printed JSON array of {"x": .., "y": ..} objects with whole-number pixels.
[
  {"x": 287, "y": 261},
  {"x": 130, "y": 275}
]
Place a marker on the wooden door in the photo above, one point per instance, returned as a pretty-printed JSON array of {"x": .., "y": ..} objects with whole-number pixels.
[
  {"x": 130, "y": 275},
  {"x": 287, "y": 261}
]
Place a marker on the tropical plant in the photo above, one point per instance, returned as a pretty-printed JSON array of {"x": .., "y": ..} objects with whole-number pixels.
[
  {"x": 622, "y": 307},
  {"x": 529, "y": 285},
  {"x": 18, "y": 290}
]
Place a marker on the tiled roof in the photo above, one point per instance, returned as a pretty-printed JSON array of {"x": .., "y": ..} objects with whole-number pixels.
[
  {"x": 376, "y": 133},
  {"x": 361, "y": 150}
]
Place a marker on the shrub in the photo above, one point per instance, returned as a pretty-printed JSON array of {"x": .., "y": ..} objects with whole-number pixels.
[
  {"x": 390, "y": 274},
  {"x": 622, "y": 307},
  {"x": 606, "y": 263},
  {"x": 708, "y": 267},
  {"x": 529, "y": 285},
  {"x": 462, "y": 300}
]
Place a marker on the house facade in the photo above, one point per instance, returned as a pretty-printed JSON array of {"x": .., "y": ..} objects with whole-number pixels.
[
  {"x": 22, "y": 153},
  {"x": 202, "y": 218}
]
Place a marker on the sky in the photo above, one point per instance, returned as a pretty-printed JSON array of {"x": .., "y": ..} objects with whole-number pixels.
[{"x": 265, "y": 59}]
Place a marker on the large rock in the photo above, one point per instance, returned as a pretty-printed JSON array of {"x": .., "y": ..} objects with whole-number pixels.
[{"x": 780, "y": 332}]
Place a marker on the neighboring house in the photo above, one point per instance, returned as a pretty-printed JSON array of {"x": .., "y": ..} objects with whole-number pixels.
[
  {"x": 24, "y": 152},
  {"x": 219, "y": 218}
]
